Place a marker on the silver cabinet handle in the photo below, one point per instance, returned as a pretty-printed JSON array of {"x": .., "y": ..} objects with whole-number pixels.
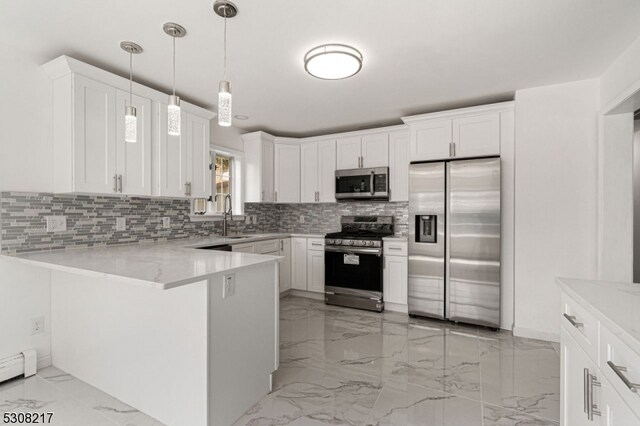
[
  {"x": 120, "y": 183},
  {"x": 585, "y": 386},
  {"x": 115, "y": 183},
  {"x": 281, "y": 245},
  {"x": 573, "y": 321},
  {"x": 452, "y": 149},
  {"x": 394, "y": 248},
  {"x": 186, "y": 189},
  {"x": 275, "y": 196},
  {"x": 262, "y": 199},
  {"x": 373, "y": 189},
  {"x": 633, "y": 387},
  {"x": 591, "y": 381}
]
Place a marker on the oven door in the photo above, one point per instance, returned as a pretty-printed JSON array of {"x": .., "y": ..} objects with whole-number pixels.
[
  {"x": 370, "y": 183},
  {"x": 356, "y": 272}
]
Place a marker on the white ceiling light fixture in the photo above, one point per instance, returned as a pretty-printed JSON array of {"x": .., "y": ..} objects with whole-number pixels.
[
  {"x": 130, "y": 118},
  {"x": 173, "y": 109},
  {"x": 225, "y": 9},
  {"x": 333, "y": 61}
]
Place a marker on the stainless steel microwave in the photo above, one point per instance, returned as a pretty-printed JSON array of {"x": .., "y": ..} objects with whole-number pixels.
[{"x": 359, "y": 184}]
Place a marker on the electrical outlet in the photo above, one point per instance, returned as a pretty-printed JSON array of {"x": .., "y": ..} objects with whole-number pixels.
[
  {"x": 255, "y": 219},
  {"x": 37, "y": 325},
  {"x": 301, "y": 218},
  {"x": 166, "y": 222},
  {"x": 229, "y": 287},
  {"x": 121, "y": 224},
  {"x": 247, "y": 220},
  {"x": 56, "y": 223}
]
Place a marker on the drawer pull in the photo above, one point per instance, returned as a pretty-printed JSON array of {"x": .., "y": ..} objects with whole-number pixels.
[
  {"x": 633, "y": 387},
  {"x": 573, "y": 321}
]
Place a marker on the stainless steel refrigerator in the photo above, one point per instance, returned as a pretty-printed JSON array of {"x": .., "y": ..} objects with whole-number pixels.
[{"x": 454, "y": 240}]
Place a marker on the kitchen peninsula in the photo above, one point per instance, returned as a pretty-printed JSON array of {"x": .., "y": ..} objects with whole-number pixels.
[{"x": 188, "y": 336}]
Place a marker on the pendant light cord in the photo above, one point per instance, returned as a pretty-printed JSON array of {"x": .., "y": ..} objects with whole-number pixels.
[
  {"x": 225, "y": 41},
  {"x": 130, "y": 78},
  {"x": 174, "y": 65}
]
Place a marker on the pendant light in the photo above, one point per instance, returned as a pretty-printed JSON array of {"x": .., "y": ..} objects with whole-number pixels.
[
  {"x": 130, "y": 119},
  {"x": 173, "y": 109},
  {"x": 225, "y": 9}
]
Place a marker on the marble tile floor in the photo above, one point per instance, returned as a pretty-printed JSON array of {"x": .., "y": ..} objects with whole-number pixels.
[
  {"x": 72, "y": 401},
  {"x": 341, "y": 366}
]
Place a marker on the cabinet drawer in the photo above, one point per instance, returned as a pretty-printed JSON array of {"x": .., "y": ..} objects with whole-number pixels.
[
  {"x": 315, "y": 244},
  {"x": 581, "y": 325},
  {"x": 263, "y": 247},
  {"x": 395, "y": 248},
  {"x": 244, "y": 248},
  {"x": 621, "y": 366}
]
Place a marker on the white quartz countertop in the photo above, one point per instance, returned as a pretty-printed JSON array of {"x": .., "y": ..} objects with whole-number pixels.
[
  {"x": 157, "y": 265},
  {"x": 616, "y": 305}
]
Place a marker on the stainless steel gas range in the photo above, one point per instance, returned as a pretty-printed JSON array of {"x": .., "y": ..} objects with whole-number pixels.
[{"x": 353, "y": 262}]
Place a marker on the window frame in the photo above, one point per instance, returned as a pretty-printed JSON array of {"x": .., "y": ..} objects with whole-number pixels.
[{"x": 236, "y": 178}]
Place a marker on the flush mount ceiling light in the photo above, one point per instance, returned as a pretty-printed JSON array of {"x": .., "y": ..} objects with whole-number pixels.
[
  {"x": 130, "y": 119},
  {"x": 333, "y": 61},
  {"x": 224, "y": 9},
  {"x": 173, "y": 109}
]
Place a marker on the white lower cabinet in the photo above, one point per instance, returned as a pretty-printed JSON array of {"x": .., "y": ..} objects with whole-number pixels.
[
  {"x": 395, "y": 277},
  {"x": 315, "y": 265},
  {"x": 299, "y": 263},
  {"x": 591, "y": 392},
  {"x": 244, "y": 248},
  {"x": 285, "y": 265}
]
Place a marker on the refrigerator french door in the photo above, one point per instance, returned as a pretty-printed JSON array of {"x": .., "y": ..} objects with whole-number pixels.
[{"x": 454, "y": 240}]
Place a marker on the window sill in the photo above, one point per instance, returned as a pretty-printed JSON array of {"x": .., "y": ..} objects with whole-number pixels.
[{"x": 214, "y": 217}]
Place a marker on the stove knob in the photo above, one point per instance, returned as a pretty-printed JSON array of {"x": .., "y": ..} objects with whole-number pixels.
[
  {"x": 370, "y": 243},
  {"x": 329, "y": 241},
  {"x": 361, "y": 243},
  {"x": 348, "y": 242},
  {"x": 337, "y": 242}
]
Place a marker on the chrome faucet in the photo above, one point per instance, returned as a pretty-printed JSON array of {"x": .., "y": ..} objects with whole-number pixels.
[{"x": 226, "y": 212}]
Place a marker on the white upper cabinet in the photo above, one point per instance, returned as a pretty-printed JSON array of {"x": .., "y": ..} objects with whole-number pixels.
[
  {"x": 349, "y": 153},
  {"x": 399, "y": 165},
  {"x": 287, "y": 173},
  {"x": 318, "y": 171},
  {"x": 375, "y": 150},
  {"x": 171, "y": 157},
  {"x": 90, "y": 154},
  {"x": 370, "y": 150},
  {"x": 463, "y": 133},
  {"x": 198, "y": 156},
  {"x": 134, "y": 159},
  {"x": 477, "y": 135},
  {"x": 259, "y": 167}
]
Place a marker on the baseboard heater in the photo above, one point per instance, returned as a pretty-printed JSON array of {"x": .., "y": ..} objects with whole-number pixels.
[{"x": 24, "y": 363}]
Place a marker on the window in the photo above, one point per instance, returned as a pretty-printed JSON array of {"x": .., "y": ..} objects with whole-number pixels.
[{"x": 222, "y": 176}]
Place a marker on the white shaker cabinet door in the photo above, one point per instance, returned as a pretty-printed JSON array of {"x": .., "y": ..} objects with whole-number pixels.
[
  {"x": 299, "y": 263},
  {"x": 287, "y": 173},
  {"x": 327, "y": 171},
  {"x": 395, "y": 279},
  {"x": 172, "y": 166},
  {"x": 315, "y": 271},
  {"x": 431, "y": 140},
  {"x": 477, "y": 136},
  {"x": 94, "y": 133},
  {"x": 309, "y": 162},
  {"x": 134, "y": 158},
  {"x": 573, "y": 362},
  {"x": 375, "y": 150},
  {"x": 198, "y": 156},
  {"x": 285, "y": 265},
  {"x": 399, "y": 166},
  {"x": 348, "y": 153},
  {"x": 267, "y": 171}
]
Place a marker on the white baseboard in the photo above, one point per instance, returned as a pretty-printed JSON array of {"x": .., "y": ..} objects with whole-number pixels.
[
  {"x": 307, "y": 294},
  {"x": 44, "y": 361},
  {"x": 531, "y": 333},
  {"x": 396, "y": 307}
]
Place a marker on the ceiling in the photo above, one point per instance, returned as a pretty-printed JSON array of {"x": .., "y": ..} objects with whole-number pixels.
[{"x": 419, "y": 55}]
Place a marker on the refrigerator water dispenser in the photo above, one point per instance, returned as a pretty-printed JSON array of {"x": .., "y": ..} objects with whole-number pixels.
[{"x": 426, "y": 228}]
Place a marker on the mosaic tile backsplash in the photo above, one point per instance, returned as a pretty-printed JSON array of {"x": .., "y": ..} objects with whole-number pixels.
[{"x": 91, "y": 220}]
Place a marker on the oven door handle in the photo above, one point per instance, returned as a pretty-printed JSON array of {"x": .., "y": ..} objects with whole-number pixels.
[{"x": 345, "y": 250}]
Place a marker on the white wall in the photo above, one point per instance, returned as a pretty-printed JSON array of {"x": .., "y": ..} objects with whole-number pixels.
[
  {"x": 621, "y": 76},
  {"x": 25, "y": 119},
  {"x": 556, "y": 198},
  {"x": 226, "y": 136},
  {"x": 636, "y": 201},
  {"x": 24, "y": 295}
]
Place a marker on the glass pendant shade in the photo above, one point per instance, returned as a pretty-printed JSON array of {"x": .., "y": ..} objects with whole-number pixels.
[
  {"x": 224, "y": 104},
  {"x": 130, "y": 125},
  {"x": 173, "y": 115}
]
